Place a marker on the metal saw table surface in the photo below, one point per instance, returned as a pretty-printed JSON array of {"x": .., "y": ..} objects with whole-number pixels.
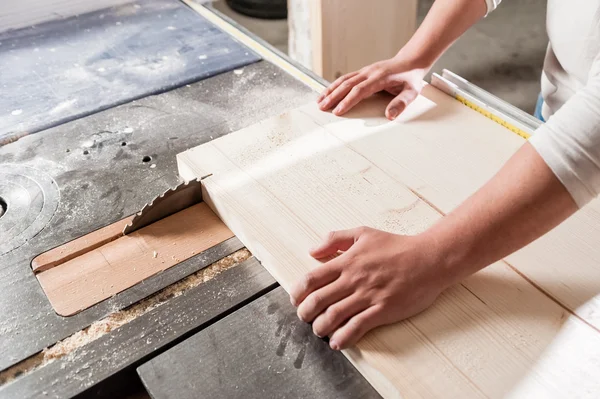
[{"x": 107, "y": 166}]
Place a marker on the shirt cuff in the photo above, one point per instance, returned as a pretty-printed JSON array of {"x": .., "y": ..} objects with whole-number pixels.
[{"x": 491, "y": 5}]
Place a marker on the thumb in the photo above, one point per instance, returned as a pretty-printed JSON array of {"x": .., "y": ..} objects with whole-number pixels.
[
  {"x": 336, "y": 241},
  {"x": 400, "y": 102}
]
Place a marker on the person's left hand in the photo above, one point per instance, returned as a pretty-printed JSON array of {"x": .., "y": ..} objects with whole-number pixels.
[{"x": 380, "y": 278}]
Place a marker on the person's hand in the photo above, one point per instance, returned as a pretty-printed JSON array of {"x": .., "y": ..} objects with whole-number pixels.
[
  {"x": 397, "y": 76},
  {"x": 380, "y": 278}
]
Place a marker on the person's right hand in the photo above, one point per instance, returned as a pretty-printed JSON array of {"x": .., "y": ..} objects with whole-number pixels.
[{"x": 397, "y": 76}]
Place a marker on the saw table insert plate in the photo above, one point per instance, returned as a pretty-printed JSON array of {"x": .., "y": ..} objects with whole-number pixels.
[
  {"x": 104, "y": 263},
  {"x": 282, "y": 184}
]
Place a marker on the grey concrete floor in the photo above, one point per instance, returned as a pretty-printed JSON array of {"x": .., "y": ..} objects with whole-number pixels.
[{"x": 503, "y": 53}]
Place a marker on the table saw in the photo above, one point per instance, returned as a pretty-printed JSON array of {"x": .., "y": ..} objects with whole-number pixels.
[
  {"x": 84, "y": 171},
  {"x": 100, "y": 299}
]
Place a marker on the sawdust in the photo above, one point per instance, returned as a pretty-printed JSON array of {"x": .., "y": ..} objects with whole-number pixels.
[{"x": 117, "y": 319}]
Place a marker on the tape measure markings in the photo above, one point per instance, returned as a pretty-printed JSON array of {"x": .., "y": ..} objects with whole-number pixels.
[{"x": 493, "y": 117}]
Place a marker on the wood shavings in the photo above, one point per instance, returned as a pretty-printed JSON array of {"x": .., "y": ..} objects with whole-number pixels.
[{"x": 117, "y": 319}]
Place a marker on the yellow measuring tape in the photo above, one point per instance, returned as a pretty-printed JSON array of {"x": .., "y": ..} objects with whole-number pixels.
[{"x": 493, "y": 117}]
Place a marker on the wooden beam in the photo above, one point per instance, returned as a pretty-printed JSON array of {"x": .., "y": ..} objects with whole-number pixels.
[
  {"x": 445, "y": 151},
  {"x": 334, "y": 37},
  {"x": 282, "y": 184}
]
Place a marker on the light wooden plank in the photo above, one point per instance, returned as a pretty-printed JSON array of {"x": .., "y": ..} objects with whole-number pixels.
[
  {"x": 446, "y": 165},
  {"x": 282, "y": 184},
  {"x": 117, "y": 265}
]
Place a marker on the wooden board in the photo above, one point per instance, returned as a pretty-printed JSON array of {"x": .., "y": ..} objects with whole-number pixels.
[
  {"x": 444, "y": 166},
  {"x": 334, "y": 37},
  {"x": 277, "y": 356},
  {"x": 282, "y": 184},
  {"x": 119, "y": 264}
]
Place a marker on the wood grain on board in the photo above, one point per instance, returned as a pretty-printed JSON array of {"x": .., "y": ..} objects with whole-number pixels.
[
  {"x": 282, "y": 184},
  {"x": 446, "y": 165},
  {"x": 119, "y": 264}
]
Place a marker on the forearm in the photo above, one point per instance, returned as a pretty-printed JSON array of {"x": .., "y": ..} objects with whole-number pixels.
[
  {"x": 518, "y": 205},
  {"x": 445, "y": 22}
]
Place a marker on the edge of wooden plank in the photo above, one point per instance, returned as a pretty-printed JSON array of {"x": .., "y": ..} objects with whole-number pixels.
[
  {"x": 381, "y": 384},
  {"x": 376, "y": 376}
]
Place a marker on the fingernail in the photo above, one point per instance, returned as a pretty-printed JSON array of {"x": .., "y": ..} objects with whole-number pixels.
[
  {"x": 293, "y": 301},
  {"x": 337, "y": 110},
  {"x": 334, "y": 345},
  {"x": 393, "y": 113}
]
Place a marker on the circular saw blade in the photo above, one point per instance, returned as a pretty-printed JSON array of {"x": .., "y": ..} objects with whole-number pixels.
[{"x": 171, "y": 201}]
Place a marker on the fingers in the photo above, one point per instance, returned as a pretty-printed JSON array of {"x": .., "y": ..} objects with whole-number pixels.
[
  {"x": 351, "y": 332},
  {"x": 400, "y": 102},
  {"x": 319, "y": 300},
  {"x": 337, "y": 313},
  {"x": 335, "y": 85},
  {"x": 340, "y": 240},
  {"x": 357, "y": 94},
  {"x": 314, "y": 280},
  {"x": 341, "y": 91}
]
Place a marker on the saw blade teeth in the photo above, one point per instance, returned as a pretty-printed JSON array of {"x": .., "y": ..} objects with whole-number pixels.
[{"x": 147, "y": 214}]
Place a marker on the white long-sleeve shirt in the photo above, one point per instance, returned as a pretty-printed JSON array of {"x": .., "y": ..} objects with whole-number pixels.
[{"x": 569, "y": 142}]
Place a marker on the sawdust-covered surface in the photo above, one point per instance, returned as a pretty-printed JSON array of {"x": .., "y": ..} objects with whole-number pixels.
[
  {"x": 71, "y": 344},
  {"x": 97, "y": 164},
  {"x": 162, "y": 44}
]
